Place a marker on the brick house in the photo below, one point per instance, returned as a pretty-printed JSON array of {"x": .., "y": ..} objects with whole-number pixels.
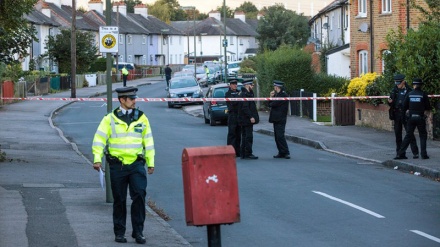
[{"x": 370, "y": 21}]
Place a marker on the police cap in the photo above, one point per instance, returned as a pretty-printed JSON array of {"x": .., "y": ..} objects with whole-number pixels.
[
  {"x": 233, "y": 82},
  {"x": 250, "y": 82},
  {"x": 417, "y": 81},
  {"x": 130, "y": 92},
  {"x": 278, "y": 83},
  {"x": 398, "y": 78}
]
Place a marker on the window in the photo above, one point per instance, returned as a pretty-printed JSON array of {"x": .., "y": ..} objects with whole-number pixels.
[
  {"x": 180, "y": 40},
  {"x": 362, "y": 8},
  {"x": 232, "y": 40},
  {"x": 121, "y": 39},
  {"x": 121, "y": 58},
  {"x": 164, "y": 40},
  {"x": 363, "y": 62},
  {"x": 241, "y": 41},
  {"x": 151, "y": 39},
  {"x": 144, "y": 39},
  {"x": 171, "y": 40},
  {"x": 129, "y": 58},
  {"x": 386, "y": 6},
  {"x": 144, "y": 60},
  {"x": 129, "y": 39},
  {"x": 332, "y": 20},
  {"x": 346, "y": 17}
]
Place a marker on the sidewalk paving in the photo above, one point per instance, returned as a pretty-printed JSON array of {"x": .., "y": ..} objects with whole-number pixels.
[{"x": 29, "y": 139}]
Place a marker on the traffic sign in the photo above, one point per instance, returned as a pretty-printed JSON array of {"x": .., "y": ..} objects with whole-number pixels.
[
  {"x": 108, "y": 36},
  {"x": 225, "y": 43}
]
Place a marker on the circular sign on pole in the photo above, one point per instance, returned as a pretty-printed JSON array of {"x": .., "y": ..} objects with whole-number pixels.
[{"x": 108, "y": 39}]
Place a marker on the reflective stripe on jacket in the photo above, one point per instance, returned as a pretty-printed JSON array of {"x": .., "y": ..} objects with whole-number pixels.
[{"x": 123, "y": 141}]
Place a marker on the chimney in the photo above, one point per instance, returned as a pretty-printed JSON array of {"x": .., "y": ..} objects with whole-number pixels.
[
  {"x": 122, "y": 8},
  {"x": 216, "y": 15},
  {"x": 56, "y": 2},
  {"x": 67, "y": 2},
  {"x": 46, "y": 10},
  {"x": 141, "y": 9},
  {"x": 259, "y": 16},
  {"x": 97, "y": 6},
  {"x": 240, "y": 15}
]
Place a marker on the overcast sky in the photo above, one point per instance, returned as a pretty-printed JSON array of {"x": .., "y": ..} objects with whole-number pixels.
[{"x": 308, "y": 7}]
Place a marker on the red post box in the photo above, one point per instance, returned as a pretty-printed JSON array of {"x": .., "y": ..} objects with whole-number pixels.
[{"x": 210, "y": 185}]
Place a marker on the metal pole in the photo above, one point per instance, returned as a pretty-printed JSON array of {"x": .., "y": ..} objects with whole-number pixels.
[
  {"x": 194, "y": 32},
  {"x": 225, "y": 44},
  {"x": 108, "y": 22},
  {"x": 187, "y": 36},
  {"x": 214, "y": 236},
  {"x": 73, "y": 52}
]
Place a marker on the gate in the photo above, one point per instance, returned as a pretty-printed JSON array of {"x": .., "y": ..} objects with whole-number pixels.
[
  {"x": 344, "y": 112},
  {"x": 306, "y": 105}
]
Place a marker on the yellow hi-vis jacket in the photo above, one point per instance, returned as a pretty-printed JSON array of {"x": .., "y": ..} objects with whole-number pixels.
[
  {"x": 124, "y": 71},
  {"x": 124, "y": 142}
]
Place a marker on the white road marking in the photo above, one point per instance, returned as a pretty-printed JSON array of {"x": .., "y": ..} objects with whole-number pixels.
[
  {"x": 426, "y": 235},
  {"x": 350, "y": 204}
]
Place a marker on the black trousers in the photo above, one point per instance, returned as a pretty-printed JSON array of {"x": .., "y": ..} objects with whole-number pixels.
[
  {"x": 400, "y": 123},
  {"x": 133, "y": 177},
  {"x": 168, "y": 78},
  {"x": 234, "y": 133},
  {"x": 279, "y": 130},
  {"x": 247, "y": 140},
  {"x": 420, "y": 124},
  {"x": 124, "y": 80}
]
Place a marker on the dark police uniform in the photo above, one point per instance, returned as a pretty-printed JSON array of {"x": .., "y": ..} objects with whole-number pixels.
[
  {"x": 398, "y": 96},
  {"x": 234, "y": 130},
  {"x": 168, "y": 72},
  {"x": 416, "y": 104},
  {"x": 278, "y": 116},
  {"x": 125, "y": 137},
  {"x": 246, "y": 111}
]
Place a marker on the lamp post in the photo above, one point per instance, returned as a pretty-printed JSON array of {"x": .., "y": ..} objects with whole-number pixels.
[
  {"x": 73, "y": 52},
  {"x": 201, "y": 46},
  {"x": 225, "y": 41},
  {"x": 220, "y": 44},
  {"x": 194, "y": 33}
]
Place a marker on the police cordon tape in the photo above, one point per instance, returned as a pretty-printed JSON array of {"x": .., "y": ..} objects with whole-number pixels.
[{"x": 189, "y": 99}]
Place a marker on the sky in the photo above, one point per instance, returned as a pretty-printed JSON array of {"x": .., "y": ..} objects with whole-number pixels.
[{"x": 307, "y": 7}]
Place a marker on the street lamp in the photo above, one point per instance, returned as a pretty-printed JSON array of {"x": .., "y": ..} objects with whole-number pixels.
[
  {"x": 225, "y": 41},
  {"x": 194, "y": 33},
  {"x": 220, "y": 43},
  {"x": 201, "y": 46},
  {"x": 162, "y": 43}
]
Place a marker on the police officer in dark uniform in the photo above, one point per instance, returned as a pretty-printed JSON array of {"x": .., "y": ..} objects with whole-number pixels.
[
  {"x": 415, "y": 106},
  {"x": 278, "y": 116},
  {"x": 247, "y": 117},
  {"x": 234, "y": 130},
  {"x": 397, "y": 97},
  {"x": 168, "y": 72}
]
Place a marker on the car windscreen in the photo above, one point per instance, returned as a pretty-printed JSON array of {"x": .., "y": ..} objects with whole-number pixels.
[{"x": 182, "y": 83}]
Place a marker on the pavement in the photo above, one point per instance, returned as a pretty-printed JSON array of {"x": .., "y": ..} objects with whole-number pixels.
[{"x": 48, "y": 186}]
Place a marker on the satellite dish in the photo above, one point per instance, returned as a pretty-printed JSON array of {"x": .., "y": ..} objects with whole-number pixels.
[{"x": 364, "y": 27}]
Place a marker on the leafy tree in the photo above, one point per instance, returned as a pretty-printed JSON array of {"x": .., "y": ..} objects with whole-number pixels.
[
  {"x": 59, "y": 48},
  {"x": 167, "y": 10},
  {"x": 249, "y": 9},
  {"x": 281, "y": 26},
  {"x": 229, "y": 11},
  {"x": 15, "y": 33},
  {"x": 130, "y": 5}
]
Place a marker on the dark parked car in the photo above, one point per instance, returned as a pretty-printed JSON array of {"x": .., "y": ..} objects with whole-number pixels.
[
  {"x": 214, "y": 111},
  {"x": 184, "y": 87}
]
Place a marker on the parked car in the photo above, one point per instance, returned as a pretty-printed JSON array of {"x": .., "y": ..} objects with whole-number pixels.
[
  {"x": 183, "y": 87},
  {"x": 183, "y": 73},
  {"x": 233, "y": 68},
  {"x": 214, "y": 111},
  {"x": 201, "y": 76},
  {"x": 189, "y": 67}
]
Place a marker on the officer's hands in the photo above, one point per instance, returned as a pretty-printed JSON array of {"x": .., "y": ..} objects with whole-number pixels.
[
  {"x": 97, "y": 166},
  {"x": 150, "y": 170},
  {"x": 390, "y": 100},
  {"x": 272, "y": 93},
  {"x": 252, "y": 120}
]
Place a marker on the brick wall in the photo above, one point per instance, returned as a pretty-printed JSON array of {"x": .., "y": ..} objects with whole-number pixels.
[{"x": 382, "y": 23}]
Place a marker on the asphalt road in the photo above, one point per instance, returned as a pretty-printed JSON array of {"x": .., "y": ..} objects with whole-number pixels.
[{"x": 314, "y": 199}]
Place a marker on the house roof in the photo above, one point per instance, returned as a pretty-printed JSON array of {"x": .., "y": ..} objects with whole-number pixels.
[
  {"x": 212, "y": 26},
  {"x": 38, "y": 18},
  {"x": 333, "y": 5},
  {"x": 64, "y": 15},
  {"x": 153, "y": 25},
  {"x": 125, "y": 25}
]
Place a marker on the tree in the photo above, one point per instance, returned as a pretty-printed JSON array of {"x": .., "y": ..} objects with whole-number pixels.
[
  {"x": 167, "y": 10},
  {"x": 130, "y": 5},
  {"x": 15, "y": 33},
  {"x": 59, "y": 49},
  {"x": 249, "y": 9},
  {"x": 281, "y": 26},
  {"x": 229, "y": 11}
]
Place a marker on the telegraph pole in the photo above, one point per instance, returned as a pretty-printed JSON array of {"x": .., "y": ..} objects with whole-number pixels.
[
  {"x": 73, "y": 52},
  {"x": 108, "y": 22}
]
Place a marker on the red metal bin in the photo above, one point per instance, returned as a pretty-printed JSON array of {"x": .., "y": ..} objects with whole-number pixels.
[{"x": 210, "y": 185}]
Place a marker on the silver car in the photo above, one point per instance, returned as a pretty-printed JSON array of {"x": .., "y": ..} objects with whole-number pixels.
[{"x": 184, "y": 87}]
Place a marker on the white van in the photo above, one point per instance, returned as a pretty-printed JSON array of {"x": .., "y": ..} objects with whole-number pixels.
[{"x": 233, "y": 68}]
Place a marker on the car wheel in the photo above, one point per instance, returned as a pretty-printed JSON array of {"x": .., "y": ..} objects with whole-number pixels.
[
  {"x": 211, "y": 120},
  {"x": 206, "y": 120},
  {"x": 170, "y": 105}
]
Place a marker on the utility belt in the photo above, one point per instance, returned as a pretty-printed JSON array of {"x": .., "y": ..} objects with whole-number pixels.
[
  {"x": 416, "y": 116},
  {"x": 113, "y": 160}
]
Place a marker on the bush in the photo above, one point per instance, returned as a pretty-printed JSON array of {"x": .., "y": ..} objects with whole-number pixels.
[
  {"x": 100, "y": 64},
  {"x": 324, "y": 85},
  {"x": 358, "y": 85}
]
